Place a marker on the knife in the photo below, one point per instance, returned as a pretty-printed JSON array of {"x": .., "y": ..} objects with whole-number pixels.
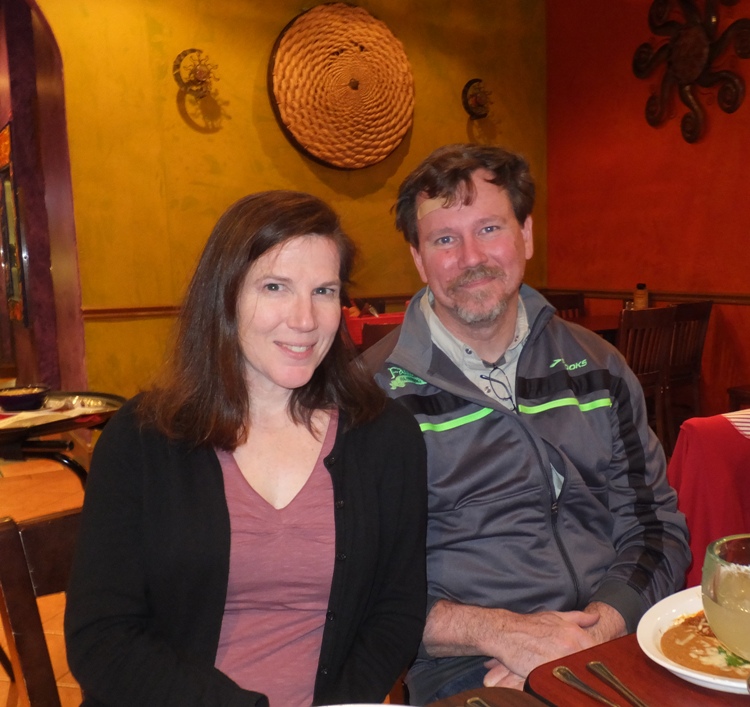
[
  {"x": 567, "y": 676},
  {"x": 604, "y": 673}
]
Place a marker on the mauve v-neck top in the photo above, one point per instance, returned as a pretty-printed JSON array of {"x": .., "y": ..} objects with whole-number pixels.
[{"x": 280, "y": 569}]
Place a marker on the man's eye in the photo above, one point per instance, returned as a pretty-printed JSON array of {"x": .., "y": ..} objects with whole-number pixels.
[
  {"x": 489, "y": 229},
  {"x": 444, "y": 240},
  {"x": 325, "y": 291}
]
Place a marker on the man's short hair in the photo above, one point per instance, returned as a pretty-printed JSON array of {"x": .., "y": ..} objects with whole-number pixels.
[{"x": 447, "y": 174}]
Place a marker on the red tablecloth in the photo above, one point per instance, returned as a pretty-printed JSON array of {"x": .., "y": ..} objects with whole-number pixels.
[{"x": 710, "y": 470}]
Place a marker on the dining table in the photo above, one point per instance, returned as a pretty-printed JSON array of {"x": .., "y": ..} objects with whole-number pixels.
[
  {"x": 36, "y": 433},
  {"x": 489, "y": 697},
  {"x": 655, "y": 685}
]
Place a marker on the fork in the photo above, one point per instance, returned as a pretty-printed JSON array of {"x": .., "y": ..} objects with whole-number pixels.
[{"x": 604, "y": 673}]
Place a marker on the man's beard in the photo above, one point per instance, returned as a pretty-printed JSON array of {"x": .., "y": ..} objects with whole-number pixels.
[{"x": 474, "y": 315}]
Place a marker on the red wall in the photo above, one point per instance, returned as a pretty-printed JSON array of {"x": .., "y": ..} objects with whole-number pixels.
[{"x": 630, "y": 203}]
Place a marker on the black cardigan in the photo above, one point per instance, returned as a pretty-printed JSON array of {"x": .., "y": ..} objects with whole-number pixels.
[{"x": 149, "y": 580}]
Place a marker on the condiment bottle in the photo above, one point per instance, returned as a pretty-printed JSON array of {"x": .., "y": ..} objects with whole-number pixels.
[{"x": 640, "y": 296}]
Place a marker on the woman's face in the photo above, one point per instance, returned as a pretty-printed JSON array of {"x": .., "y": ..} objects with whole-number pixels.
[{"x": 288, "y": 313}]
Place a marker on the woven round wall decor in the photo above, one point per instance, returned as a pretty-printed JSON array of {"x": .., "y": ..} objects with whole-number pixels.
[{"x": 341, "y": 86}]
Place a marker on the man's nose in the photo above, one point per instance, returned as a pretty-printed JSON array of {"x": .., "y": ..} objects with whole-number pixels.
[{"x": 472, "y": 253}]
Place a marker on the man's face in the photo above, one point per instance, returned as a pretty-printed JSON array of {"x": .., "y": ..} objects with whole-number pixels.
[{"x": 472, "y": 256}]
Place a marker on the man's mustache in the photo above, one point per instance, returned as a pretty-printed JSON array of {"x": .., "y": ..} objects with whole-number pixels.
[{"x": 480, "y": 272}]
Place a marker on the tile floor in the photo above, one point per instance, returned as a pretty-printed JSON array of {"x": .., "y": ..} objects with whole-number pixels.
[{"x": 28, "y": 489}]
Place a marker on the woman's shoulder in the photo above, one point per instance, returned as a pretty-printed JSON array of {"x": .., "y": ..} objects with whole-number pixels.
[
  {"x": 131, "y": 425},
  {"x": 132, "y": 437},
  {"x": 392, "y": 426},
  {"x": 126, "y": 418},
  {"x": 397, "y": 413}
]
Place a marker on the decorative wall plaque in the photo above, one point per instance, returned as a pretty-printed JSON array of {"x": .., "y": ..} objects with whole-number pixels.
[
  {"x": 693, "y": 47},
  {"x": 341, "y": 86}
]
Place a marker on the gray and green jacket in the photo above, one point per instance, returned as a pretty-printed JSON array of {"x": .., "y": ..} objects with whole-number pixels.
[{"x": 497, "y": 535}]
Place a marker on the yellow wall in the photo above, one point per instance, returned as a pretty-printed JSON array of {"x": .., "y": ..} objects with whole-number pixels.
[{"x": 148, "y": 187}]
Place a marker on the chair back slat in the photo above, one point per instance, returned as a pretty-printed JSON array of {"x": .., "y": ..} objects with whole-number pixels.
[
  {"x": 36, "y": 560},
  {"x": 48, "y": 544},
  {"x": 569, "y": 305},
  {"x": 685, "y": 359},
  {"x": 644, "y": 339},
  {"x": 690, "y": 327}
]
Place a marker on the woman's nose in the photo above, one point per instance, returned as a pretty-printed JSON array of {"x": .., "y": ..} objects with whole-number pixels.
[{"x": 302, "y": 314}]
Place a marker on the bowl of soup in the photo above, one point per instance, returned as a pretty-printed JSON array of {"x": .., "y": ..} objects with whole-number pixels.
[{"x": 20, "y": 398}]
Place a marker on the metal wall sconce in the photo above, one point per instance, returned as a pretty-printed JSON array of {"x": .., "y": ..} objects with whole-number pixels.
[
  {"x": 194, "y": 74},
  {"x": 693, "y": 54},
  {"x": 475, "y": 99}
]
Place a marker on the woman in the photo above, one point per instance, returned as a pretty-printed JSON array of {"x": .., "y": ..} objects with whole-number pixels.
[{"x": 254, "y": 524}]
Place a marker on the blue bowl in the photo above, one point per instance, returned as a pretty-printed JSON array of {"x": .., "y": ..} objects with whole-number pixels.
[{"x": 27, "y": 397}]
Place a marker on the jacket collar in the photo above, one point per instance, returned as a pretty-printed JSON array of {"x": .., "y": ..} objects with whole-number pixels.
[{"x": 414, "y": 349}]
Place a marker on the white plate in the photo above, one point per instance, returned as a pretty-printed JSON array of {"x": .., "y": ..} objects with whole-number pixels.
[{"x": 658, "y": 619}]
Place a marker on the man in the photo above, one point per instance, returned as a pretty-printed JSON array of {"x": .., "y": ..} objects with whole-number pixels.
[{"x": 551, "y": 524}]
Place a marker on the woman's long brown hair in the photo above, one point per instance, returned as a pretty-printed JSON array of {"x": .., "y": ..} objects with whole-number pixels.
[{"x": 201, "y": 395}]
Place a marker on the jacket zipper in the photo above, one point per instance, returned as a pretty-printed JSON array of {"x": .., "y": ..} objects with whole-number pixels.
[{"x": 547, "y": 474}]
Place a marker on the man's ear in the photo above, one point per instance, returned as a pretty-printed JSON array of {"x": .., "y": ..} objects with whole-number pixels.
[
  {"x": 418, "y": 262},
  {"x": 528, "y": 237}
]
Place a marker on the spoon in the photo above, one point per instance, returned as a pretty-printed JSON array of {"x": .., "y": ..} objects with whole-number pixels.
[{"x": 567, "y": 676}]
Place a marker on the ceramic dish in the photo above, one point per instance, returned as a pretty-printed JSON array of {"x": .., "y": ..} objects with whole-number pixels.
[
  {"x": 658, "y": 619},
  {"x": 29, "y": 397}
]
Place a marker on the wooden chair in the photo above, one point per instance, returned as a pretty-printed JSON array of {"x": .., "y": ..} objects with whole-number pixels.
[
  {"x": 686, "y": 355},
  {"x": 372, "y": 333},
  {"x": 739, "y": 397},
  {"x": 569, "y": 305},
  {"x": 644, "y": 339},
  {"x": 35, "y": 560}
]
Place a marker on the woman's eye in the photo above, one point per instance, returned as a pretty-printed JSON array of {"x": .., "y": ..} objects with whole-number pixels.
[
  {"x": 272, "y": 286},
  {"x": 325, "y": 291}
]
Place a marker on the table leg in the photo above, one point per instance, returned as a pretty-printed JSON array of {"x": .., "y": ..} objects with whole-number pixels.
[
  {"x": 59, "y": 457},
  {"x": 6, "y": 664}
]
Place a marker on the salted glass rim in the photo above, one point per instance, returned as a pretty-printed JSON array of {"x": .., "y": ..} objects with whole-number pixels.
[{"x": 711, "y": 550}]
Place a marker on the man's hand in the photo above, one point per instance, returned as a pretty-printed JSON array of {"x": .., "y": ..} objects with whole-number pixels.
[
  {"x": 610, "y": 624},
  {"x": 528, "y": 640},
  {"x": 517, "y": 642},
  {"x": 499, "y": 676}
]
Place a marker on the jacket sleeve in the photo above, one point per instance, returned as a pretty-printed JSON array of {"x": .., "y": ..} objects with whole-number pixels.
[
  {"x": 114, "y": 649},
  {"x": 389, "y": 629},
  {"x": 649, "y": 533}
]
